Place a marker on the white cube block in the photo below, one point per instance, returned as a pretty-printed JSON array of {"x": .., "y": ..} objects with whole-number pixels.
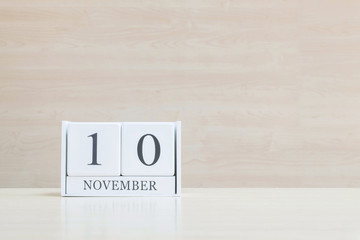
[
  {"x": 148, "y": 149},
  {"x": 93, "y": 149}
]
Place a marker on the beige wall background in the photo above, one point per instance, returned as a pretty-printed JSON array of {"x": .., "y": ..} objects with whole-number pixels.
[{"x": 268, "y": 91}]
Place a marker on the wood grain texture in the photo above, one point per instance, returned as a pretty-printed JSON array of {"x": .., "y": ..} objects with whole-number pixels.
[{"x": 268, "y": 91}]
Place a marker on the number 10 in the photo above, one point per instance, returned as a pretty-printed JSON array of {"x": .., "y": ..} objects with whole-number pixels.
[{"x": 139, "y": 149}]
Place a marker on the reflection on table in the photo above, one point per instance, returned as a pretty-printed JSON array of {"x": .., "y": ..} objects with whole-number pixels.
[{"x": 99, "y": 215}]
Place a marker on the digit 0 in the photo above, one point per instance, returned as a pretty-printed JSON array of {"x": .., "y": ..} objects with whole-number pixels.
[{"x": 140, "y": 149}]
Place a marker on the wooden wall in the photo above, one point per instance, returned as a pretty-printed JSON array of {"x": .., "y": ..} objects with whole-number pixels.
[{"x": 268, "y": 91}]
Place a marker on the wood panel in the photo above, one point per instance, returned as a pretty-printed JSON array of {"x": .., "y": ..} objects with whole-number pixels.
[{"x": 268, "y": 91}]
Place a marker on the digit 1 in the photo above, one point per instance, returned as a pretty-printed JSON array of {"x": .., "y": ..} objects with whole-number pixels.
[
  {"x": 140, "y": 149},
  {"x": 94, "y": 149}
]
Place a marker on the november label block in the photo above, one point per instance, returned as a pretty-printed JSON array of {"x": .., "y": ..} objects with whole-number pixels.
[{"x": 121, "y": 159}]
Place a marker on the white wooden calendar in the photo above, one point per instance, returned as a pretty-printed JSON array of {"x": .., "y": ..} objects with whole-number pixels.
[{"x": 121, "y": 159}]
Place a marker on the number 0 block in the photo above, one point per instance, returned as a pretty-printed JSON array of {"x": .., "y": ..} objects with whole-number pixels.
[
  {"x": 148, "y": 149},
  {"x": 121, "y": 159}
]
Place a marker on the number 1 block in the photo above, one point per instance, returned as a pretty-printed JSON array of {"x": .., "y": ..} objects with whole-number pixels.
[
  {"x": 121, "y": 159},
  {"x": 93, "y": 149}
]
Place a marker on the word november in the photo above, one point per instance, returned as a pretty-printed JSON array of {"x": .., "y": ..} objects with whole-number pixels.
[{"x": 120, "y": 185}]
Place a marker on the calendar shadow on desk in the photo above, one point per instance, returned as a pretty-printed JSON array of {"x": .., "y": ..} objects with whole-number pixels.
[{"x": 133, "y": 215}]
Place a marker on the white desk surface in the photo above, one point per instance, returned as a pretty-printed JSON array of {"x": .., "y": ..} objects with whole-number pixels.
[{"x": 198, "y": 214}]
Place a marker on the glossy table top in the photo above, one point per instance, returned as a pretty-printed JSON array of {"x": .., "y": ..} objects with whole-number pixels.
[{"x": 198, "y": 214}]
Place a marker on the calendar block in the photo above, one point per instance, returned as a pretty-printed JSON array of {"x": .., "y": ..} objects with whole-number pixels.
[
  {"x": 148, "y": 149},
  {"x": 93, "y": 149},
  {"x": 121, "y": 159}
]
